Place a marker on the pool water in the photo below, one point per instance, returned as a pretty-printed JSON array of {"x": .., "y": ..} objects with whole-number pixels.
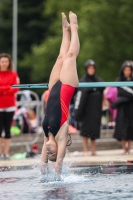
[{"x": 79, "y": 182}]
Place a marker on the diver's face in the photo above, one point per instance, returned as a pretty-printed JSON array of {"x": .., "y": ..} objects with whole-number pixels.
[
  {"x": 51, "y": 148},
  {"x": 127, "y": 72},
  {"x": 91, "y": 70}
]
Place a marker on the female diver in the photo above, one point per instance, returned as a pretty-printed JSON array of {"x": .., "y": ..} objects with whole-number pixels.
[{"x": 63, "y": 85}]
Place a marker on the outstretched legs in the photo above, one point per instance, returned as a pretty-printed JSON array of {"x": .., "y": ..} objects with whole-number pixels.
[
  {"x": 55, "y": 74},
  {"x": 65, "y": 67},
  {"x": 68, "y": 74}
]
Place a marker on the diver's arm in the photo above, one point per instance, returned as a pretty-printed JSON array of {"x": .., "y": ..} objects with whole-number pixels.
[
  {"x": 62, "y": 143},
  {"x": 60, "y": 156},
  {"x": 44, "y": 157}
]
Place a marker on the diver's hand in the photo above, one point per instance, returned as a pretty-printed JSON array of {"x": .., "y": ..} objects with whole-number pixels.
[
  {"x": 58, "y": 166},
  {"x": 58, "y": 170},
  {"x": 57, "y": 177},
  {"x": 43, "y": 168}
]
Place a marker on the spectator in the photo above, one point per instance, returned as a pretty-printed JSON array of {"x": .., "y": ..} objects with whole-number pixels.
[
  {"x": 105, "y": 111},
  {"x": 26, "y": 120},
  {"x": 7, "y": 100},
  {"x": 124, "y": 103},
  {"x": 111, "y": 94},
  {"x": 88, "y": 107}
]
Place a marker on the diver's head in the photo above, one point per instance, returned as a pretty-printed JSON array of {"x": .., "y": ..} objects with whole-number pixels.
[{"x": 51, "y": 148}]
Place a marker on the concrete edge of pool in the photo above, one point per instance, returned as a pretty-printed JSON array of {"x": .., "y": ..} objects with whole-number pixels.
[{"x": 108, "y": 157}]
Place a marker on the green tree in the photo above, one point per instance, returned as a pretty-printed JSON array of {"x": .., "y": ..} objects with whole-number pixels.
[
  {"x": 105, "y": 31},
  {"x": 31, "y": 29},
  {"x": 5, "y": 26}
]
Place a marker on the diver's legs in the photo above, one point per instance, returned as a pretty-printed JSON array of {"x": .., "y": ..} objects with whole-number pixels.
[
  {"x": 55, "y": 74},
  {"x": 68, "y": 74}
]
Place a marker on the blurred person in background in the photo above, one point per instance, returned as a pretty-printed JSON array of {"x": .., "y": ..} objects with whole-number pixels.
[
  {"x": 105, "y": 111},
  {"x": 111, "y": 95},
  {"x": 124, "y": 104},
  {"x": 7, "y": 101},
  {"x": 26, "y": 120},
  {"x": 88, "y": 106}
]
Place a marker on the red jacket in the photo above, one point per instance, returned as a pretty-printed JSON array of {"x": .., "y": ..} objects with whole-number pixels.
[{"x": 7, "y": 93}]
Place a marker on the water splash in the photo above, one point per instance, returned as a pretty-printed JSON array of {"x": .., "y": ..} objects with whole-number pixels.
[{"x": 66, "y": 177}]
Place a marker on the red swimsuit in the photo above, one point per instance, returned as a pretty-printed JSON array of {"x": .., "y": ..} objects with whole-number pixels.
[{"x": 57, "y": 110}]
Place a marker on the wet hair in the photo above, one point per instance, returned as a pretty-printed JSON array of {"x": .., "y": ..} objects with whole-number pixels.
[
  {"x": 53, "y": 159},
  {"x": 68, "y": 144},
  {"x": 5, "y": 55}
]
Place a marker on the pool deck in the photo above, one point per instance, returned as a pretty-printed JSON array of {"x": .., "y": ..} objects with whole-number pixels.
[{"x": 108, "y": 157}]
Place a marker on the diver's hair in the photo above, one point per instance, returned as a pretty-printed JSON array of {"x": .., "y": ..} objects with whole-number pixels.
[
  {"x": 53, "y": 160},
  {"x": 69, "y": 141},
  {"x": 68, "y": 144}
]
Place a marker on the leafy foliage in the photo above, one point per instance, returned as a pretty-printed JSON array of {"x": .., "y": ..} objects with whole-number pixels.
[{"x": 105, "y": 31}]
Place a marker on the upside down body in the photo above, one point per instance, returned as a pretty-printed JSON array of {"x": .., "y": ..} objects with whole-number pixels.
[
  {"x": 57, "y": 111},
  {"x": 62, "y": 87}
]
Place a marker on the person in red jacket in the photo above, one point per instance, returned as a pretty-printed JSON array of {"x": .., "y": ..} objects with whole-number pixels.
[{"x": 7, "y": 100}]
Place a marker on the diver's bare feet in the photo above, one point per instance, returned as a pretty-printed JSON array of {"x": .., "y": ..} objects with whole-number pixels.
[
  {"x": 73, "y": 19},
  {"x": 65, "y": 24}
]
